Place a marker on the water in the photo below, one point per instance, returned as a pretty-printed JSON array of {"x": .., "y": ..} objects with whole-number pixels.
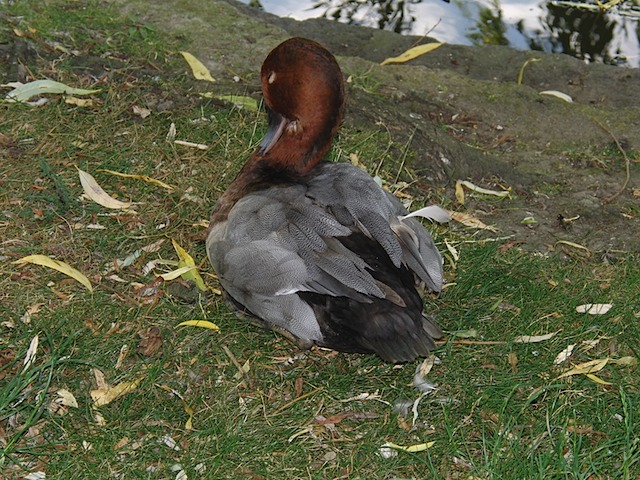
[{"x": 593, "y": 36}]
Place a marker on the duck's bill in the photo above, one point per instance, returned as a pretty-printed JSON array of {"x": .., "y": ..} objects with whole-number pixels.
[{"x": 277, "y": 126}]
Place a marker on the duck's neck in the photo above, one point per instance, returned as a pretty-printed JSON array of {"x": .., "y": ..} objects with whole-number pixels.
[{"x": 259, "y": 173}]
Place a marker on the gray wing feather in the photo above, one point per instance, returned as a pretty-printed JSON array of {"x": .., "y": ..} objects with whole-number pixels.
[{"x": 283, "y": 240}]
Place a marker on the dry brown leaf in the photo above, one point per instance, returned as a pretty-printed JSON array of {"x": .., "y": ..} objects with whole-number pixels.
[
  {"x": 471, "y": 221},
  {"x": 101, "y": 383},
  {"x": 150, "y": 341},
  {"x": 513, "y": 361}
]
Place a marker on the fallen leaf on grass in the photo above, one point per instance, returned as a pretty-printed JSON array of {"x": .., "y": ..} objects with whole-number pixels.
[
  {"x": 141, "y": 111},
  {"x": 150, "y": 341},
  {"x": 564, "y": 354},
  {"x": 199, "y": 323},
  {"x": 249, "y": 103},
  {"x": 594, "y": 308},
  {"x": 67, "y": 398},
  {"x": 199, "y": 146},
  {"x": 625, "y": 361},
  {"x": 459, "y": 192},
  {"x": 586, "y": 367},
  {"x": 101, "y": 382},
  {"x": 484, "y": 191},
  {"x": 574, "y": 245},
  {"x": 412, "y": 53},
  {"x": 534, "y": 338},
  {"x": 124, "y": 352},
  {"x": 45, "y": 261},
  {"x": 102, "y": 397},
  {"x": 178, "y": 272},
  {"x": 596, "y": 379},
  {"x": 471, "y": 221},
  {"x": 512, "y": 358},
  {"x": 200, "y": 72},
  {"x": 98, "y": 195},
  {"x": 419, "y": 447},
  {"x": 31, "y": 310},
  {"x": 169, "y": 442},
  {"x": 24, "y": 92},
  {"x": 144, "y": 178},
  {"x": 79, "y": 102},
  {"x": 30, "y": 356},
  {"x": 187, "y": 261}
]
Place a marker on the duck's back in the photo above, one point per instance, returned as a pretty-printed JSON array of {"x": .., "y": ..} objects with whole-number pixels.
[{"x": 327, "y": 259}]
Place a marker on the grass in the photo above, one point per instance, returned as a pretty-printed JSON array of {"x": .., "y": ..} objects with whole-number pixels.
[{"x": 500, "y": 410}]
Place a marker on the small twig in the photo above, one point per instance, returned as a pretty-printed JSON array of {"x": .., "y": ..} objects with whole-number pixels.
[
  {"x": 626, "y": 159},
  {"x": 472, "y": 342},
  {"x": 235, "y": 361},
  {"x": 287, "y": 405}
]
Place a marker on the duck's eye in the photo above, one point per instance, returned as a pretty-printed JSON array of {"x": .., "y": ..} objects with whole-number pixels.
[{"x": 272, "y": 78}]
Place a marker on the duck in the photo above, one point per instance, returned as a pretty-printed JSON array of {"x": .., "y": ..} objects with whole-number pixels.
[{"x": 316, "y": 250}]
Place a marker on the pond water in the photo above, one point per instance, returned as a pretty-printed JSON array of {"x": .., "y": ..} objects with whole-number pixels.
[{"x": 611, "y": 37}]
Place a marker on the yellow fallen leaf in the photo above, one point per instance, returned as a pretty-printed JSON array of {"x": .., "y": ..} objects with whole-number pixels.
[
  {"x": 412, "y": 53},
  {"x": 459, "y": 192},
  {"x": 187, "y": 261},
  {"x": 420, "y": 447},
  {"x": 471, "y": 221},
  {"x": 524, "y": 66},
  {"x": 485, "y": 191},
  {"x": 199, "y": 323},
  {"x": 533, "y": 338},
  {"x": 144, "y": 178},
  {"x": 102, "y": 397},
  {"x": 178, "y": 272},
  {"x": 586, "y": 367},
  {"x": 596, "y": 379},
  {"x": 45, "y": 261},
  {"x": 78, "y": 102},
  {"x": 249, "y": 103},
  {"x": 625, "y": 361},
  {"x": 97, "y": 194},
  {"x": 574, "y": 245},
  {"x": 200, "y": 72}
]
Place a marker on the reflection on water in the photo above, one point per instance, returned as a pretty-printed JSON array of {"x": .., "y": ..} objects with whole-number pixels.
[{"x": 611, "y": 37}]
